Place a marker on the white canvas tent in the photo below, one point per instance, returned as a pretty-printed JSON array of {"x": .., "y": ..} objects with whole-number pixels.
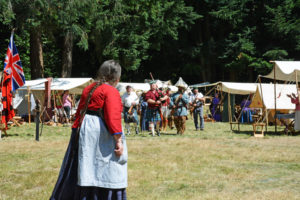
[
  {"x": 237, "y": 88},
  {"x": 37, "y": 88},
  {"x": 264, "y": 97},
  {"x": 32, "y": 83},
  {"x": 145, "y": 86},
  {"x": 285, "y": 71},
  {"x": 233, "y": 87},
  {"x": 136, "y": 86},
  {"x": 74, "y": 85},
  {"x": 21, "y": 102}
]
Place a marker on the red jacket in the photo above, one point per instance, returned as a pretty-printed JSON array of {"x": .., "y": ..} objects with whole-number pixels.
[
  {"x": 108, "y": 98},
  {"x": 154, "y": 96}
]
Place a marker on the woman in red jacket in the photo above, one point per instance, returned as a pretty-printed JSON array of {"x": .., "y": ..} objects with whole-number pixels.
[{"x": 97, "y": 169}]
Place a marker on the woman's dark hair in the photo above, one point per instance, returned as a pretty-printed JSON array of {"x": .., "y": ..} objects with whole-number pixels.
[{"x": 110, "y": 70}]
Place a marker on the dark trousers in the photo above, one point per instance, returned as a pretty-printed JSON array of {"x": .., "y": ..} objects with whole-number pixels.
[{"x": 67, "y": 110}]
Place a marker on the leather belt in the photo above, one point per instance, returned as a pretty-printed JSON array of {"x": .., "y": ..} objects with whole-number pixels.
[{"x": 93, "y": 112}]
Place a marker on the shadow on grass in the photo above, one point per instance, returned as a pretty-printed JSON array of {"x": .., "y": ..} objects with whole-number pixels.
[
  {"x": 270, "y": 133},
  {"x": 169, "y": 134},
  {"x": 10, "y": 135},
  {"x": 243, "y": 132}
]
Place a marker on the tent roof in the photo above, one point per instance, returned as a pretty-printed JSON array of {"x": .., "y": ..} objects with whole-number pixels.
[
  {"x": 237, "y": 88},
  {"x": 205, "y": 84},
  {"x": 74, "y": 85},
  {"x": 285, "y": 70},
  {"x": 232, "y": 87},
  {"x": 136, "y": 86},
  {"x": 34, "y": 82},
  {"x": 144, "y": 86},
  {"x": 264, "y": 95}
]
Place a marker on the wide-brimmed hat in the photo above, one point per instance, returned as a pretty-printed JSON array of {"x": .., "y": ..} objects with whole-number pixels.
[{"x": 181, "y": 83}]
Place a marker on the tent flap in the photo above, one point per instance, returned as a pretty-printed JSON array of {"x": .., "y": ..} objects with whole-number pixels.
[
  {"x": 264, "y": 97},
  {"x": 237, "y": 88},
  {"x": 285, "y": 71}
]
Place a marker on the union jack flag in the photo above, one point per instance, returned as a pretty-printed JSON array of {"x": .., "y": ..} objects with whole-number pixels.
[{"x": 12, "y": 65}]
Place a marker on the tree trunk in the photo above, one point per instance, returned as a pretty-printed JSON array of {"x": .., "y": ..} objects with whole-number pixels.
[
  {"x": 232, "y": 75},
  {"x": 67, "y": 55},
  {"x": 250, "y": 74},
  {"x": 36, "y": 54}
]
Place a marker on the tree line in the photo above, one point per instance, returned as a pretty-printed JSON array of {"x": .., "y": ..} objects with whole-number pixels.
[{"x": 199, "y": 40}]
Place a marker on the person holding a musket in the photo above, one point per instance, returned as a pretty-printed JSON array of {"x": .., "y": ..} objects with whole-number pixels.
[
  {"x": 179, "y": 102},
  {"x": 154, "y": 98},
  {"x": 196, "y": 103}
]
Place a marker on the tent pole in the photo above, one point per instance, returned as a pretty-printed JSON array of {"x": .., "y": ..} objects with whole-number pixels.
[
  {"x": 267, "y": 120},
  {"x": 297, "y": 86},
  {"x": 54, "y": 105},
  {"x": 275, "y": 103},
  {"x": 207, "y": 93},
  {"x": 29, "y": 104},
  {"x": 262, "y": 99},
  {"x": 229, "y": 109}
]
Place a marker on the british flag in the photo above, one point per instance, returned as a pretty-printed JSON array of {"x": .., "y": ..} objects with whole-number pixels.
[{"x": 12, "y": 65}]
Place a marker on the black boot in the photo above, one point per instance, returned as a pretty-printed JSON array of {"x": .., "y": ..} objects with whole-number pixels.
[{"x": 158, "y": 133}]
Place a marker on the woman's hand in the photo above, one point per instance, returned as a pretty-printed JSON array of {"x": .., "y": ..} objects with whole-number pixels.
[{"x": 119, "y": 148}]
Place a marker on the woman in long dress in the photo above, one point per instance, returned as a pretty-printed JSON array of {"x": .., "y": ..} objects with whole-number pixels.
[{"x": 95, "y": 164}]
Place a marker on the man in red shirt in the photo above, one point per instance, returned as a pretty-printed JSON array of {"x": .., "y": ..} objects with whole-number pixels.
[{"x": 154, "y": 99}]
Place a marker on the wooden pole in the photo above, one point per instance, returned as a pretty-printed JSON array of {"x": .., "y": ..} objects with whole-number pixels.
[
  {"x": 229, "y": 111},
  {"x": 275, "y": 102},
  {"x": 29, "y": 104},
  {"x": 267, "y": 120},
  {"x": 297, "y": 87},
  {"x": 262, "y": 99},
  {"x": 54, "y": 105}
]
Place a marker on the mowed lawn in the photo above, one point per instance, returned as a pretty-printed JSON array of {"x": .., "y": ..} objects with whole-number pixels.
[{"x": 213, "y": 164}]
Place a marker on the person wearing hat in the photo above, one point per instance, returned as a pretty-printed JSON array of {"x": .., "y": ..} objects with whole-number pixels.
[
  {"x": 197, "y": 101},
  {"x": 179, "y": 102},
  {"x": 154, "y": 99},
  {"x": 130, "y": 101}
]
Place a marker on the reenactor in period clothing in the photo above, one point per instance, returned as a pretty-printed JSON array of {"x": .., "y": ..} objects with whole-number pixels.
[
  {"x": 130, "y": 102},
  {"x": 179, "y": 102},
  {"x": 154, "y": 99},
  {"x": 197, "y": 108}
]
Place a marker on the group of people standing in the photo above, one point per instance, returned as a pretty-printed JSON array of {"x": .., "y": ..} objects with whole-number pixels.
[
  {"x": 95, "y": 163},
  {"x": 158, "y": 108},
  {"x": 62, "y": 104}
]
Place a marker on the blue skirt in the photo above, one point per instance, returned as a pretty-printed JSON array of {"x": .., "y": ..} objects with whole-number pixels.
[
  {"x": 66, "y": 187},
  {"x": 152, "y": 115}
]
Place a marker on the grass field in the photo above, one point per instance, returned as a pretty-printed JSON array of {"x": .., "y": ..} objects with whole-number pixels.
[{"x": 213, "y": 164}]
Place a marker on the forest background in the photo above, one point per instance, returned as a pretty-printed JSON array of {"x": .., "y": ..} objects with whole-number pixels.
[{"x": 199, "y": 40}]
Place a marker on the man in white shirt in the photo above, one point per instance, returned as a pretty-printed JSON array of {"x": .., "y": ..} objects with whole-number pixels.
[
  {"x": 130, "y": 101},
  {"x": 197, "y": 103}
]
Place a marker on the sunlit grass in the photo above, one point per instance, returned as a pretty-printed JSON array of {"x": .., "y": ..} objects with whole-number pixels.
[{"x": 212, "y": 164}]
